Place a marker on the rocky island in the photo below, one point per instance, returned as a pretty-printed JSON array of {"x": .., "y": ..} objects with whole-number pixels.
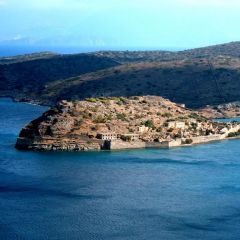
[{"x": 121, "y": 123}]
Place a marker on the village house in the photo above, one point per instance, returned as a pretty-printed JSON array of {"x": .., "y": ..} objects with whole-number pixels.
[
  {"x": 182, "y": 105},
  {"x": 107, "y": 136},
  {"x": 176, "y": 124},
  {"x": 143, "y": 129},
  {"x": 130, "y": 136},
  {"x": 223, "y": 131}
]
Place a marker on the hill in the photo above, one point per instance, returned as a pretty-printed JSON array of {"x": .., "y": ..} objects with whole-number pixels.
[
  {"x": 227, "y": 49},
  {"x": 29, "y": 74},
  {"x": 197, "y": 77},
  {"x": 197, "y": 82}
]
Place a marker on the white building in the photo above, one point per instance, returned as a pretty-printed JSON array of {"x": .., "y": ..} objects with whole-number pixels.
[
  {"x": 143, "y": 129},
  {"x": 176, "y": 124},
  {"x": 107, "y": 136},
  {"x": 131, "y": 136}
]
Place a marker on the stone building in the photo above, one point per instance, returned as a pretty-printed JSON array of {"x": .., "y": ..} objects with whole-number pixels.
[
  {"x": 131, "y": 136},
  {"x": 143, "y": 129},
  {"x": 107, "y": 136},
  {"x": 176, "y": 124}
]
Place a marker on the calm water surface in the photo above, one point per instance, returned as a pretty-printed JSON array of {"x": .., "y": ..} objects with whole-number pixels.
[{"x": 184, "y": 193}]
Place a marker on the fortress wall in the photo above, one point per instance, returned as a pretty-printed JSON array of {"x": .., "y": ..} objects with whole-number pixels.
[
  {"x": 157, "y": 144},
  {"x": 175, "y": 143},
  {"x": 205, "y": 139},
  {"x": 118, "y": 144}
]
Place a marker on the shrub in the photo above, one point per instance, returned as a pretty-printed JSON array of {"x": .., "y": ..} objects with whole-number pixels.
[
  {"x": 123, "y": 100},
  {"x": 150, "y": 124},
  {"x": 188, "y": 141},
  {"x": 234, "y": 134},
  {"x": 91, "y": 99},
  {"x": 194, "y": 125},
  {"x": 122, "y": 116},
  {"x": 135, "y": 98},
  {"x": 159, "y": 129},
  {"x": 167, "y": 115},
  {"x": 109, "y": 117},
  {"x": 99, "y": 119}
]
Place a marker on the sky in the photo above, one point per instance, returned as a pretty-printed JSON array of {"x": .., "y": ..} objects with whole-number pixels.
[{"x": 122, "y": 24}]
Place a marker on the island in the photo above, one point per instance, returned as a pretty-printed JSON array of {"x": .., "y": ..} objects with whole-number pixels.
[{"x": 113, "y": 123}]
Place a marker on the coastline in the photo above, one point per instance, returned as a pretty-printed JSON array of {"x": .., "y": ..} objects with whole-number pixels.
[
  {"x": 115, "y": 123},
  {"x": 31, "y": 102},
  {"x": 137, "y": 145}
]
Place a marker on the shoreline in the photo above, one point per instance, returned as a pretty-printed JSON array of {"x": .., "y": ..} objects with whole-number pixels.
[
  {"x": 115, "y": 123},
  {"x": 14, "y": 100},
  {"x": 39, "y": 147}
]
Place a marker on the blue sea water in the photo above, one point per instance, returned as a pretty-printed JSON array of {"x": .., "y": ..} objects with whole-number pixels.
[{"x": 183, "y": 193}]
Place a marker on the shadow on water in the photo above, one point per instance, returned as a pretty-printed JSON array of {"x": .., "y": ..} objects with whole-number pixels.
[{"x": 47, "y": 192}]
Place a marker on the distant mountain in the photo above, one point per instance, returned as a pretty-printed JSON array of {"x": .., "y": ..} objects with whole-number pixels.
[
  {"x": 228, "y": 49},
  {"x": 26, "y": 57},
  {"x": 138, "y": 56},
  {"x": 197, "y": 77}
]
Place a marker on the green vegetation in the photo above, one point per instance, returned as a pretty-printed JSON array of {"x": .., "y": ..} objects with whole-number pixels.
[
  {"x": 234, "y": 134},
  {"x": 122, "y": 116},
  {"x": 167, "y": 115},
  {"x": 150, "y": 124},
  {"x": 197, "y": 117},
  {"x": 188, "y": 141},
  {"x": 91, "y": 99},
  {"x": 141, "y": 73},
  {"x": 194, "y": 125},
  {"x": 99, "y": 119},
  {"x": 122, "y": 100}
]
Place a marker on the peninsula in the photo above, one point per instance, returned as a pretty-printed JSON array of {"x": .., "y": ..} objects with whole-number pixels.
[
  {"x": 110, "y": 123},
  {"x": 195, "y": 77}
]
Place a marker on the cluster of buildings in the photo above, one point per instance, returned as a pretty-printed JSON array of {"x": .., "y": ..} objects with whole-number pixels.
[{"x": 186, "y": 129}]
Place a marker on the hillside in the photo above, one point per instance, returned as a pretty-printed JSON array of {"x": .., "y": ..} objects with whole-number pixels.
[
  {"x": 26, "y": 57},
  {"x": 197, "y": 77},
  {"x": 228, "y": 49},
  {"x": 124, "y": 57},
  {"x": 19, "y": 78},
  {"x": 110, "y": 123},
  {"x": 197, "y": 82}
]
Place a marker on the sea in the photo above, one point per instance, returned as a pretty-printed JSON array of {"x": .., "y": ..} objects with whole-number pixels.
[{"x": 178, "y": 194}]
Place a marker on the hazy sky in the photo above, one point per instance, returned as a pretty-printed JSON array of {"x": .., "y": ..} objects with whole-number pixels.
[{"x": 123, "y": 23}]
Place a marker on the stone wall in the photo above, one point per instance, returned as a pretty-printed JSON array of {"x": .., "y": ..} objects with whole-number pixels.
[
  {"x": 205, "y": 139},
  {"x": 175, "y": 143},
  {"x": 118, "y": 144},
  {"x": 157, "y": 144}
]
